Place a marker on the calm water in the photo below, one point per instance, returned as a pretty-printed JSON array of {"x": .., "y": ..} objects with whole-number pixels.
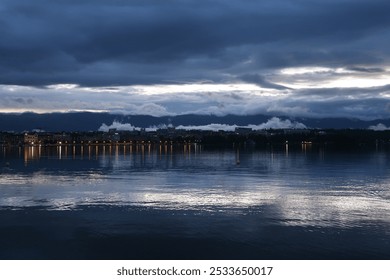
[{"x": 181, "y": 202}]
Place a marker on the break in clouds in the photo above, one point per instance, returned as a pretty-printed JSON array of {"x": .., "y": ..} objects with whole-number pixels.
[{"x": 309, "y": 58}]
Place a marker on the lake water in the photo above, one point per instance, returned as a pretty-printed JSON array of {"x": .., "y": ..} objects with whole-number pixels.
[{"x": 188, "y": 202}]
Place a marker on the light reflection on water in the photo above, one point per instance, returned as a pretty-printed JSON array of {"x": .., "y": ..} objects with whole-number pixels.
[
  {"x": 189, "y": 202},
  {"x": 305, "y": 188}
]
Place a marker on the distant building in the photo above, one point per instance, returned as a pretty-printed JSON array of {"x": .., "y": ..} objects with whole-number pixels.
[
  {"x": 115, "y": 137},
  {"x": 30, "y": 139},
  {"x": 62, "y": 138},
  {"x": 169, "y": 131},
  {"x": 243, "y": 130},
  {"x": 296, "y": 131}
]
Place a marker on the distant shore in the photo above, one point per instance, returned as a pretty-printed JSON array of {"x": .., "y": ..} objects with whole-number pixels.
[{"x": 347, "y": 138}]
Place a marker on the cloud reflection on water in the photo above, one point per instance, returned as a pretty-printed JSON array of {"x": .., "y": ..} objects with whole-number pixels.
[{"x": 295, "y": 188}]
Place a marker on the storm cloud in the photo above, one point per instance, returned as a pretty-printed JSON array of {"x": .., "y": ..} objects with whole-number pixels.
[{"x": 308, "y": 57}]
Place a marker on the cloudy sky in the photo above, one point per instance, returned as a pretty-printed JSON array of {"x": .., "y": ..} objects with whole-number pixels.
[{"x": 316, "y": 58}]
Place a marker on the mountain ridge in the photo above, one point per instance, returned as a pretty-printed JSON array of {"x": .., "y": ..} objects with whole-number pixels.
[{"x": 88, "y": 121}]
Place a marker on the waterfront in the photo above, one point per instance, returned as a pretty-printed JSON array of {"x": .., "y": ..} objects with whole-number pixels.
[{"x": 188, "y": 202}]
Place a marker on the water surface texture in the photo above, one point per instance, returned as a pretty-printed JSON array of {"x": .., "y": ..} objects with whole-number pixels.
[{"x": 187, "y": 202}]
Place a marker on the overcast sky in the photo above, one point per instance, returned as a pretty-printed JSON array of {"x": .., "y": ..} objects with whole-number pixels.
[{"x": 316, "y": 58}]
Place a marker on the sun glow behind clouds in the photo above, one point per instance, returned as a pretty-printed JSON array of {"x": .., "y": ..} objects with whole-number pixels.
[
  {"x": 358, "y": 82},
  {"x": 157, "y": 100},
  {"x": 62, "y": 86},
  {"x": 301, "y": 97},
  {"x": 304, "y": 70},
  {"x": 199, "y": 88},
  {"x": 325, "y": 77}
]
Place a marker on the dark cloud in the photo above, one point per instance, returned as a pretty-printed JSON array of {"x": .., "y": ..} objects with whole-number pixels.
[
  {"x": 108, "y": 43},
  {"x": 188, "y": 56},
  {"x": 366, "y": 69},
  {"x": 23, "y": 101},
  {"x": 261, "y": 81},
  {"x": 20, "y": 100}
]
